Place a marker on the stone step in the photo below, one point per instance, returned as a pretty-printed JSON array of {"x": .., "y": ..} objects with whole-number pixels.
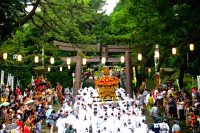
[{"x": 149, "y": 122}]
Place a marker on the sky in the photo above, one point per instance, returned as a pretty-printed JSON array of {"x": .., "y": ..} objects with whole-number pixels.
[{"x": 109, "y": 6}]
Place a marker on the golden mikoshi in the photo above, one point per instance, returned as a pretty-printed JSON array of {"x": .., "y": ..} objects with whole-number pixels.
[{"x": 106, "y": 86}]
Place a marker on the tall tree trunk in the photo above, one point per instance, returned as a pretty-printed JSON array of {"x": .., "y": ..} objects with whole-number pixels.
[{"x": 181, "y": 76}]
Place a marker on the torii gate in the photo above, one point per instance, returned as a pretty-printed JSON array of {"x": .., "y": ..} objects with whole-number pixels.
[{"x": 103, "y": 50}]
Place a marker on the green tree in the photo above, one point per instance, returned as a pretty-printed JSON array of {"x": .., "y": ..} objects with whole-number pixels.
[
  {"x": 69, "y": 21},
  {"x": 167, "y": 23},
  {"x": 13, "y": 15}
]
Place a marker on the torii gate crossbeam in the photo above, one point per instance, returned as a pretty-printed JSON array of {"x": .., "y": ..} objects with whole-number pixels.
[{"x": 103, "y": 50}]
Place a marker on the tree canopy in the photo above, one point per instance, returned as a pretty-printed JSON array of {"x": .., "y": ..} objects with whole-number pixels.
[
  {"x": 71, "y": 21},
  {"x": 167, "y": 23}
]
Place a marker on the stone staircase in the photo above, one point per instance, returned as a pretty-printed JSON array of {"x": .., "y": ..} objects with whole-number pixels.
[
  {"x": 149, "y": 119},
  {"x": 184, "y": 129},
  {"x": 149, "y": 122}
]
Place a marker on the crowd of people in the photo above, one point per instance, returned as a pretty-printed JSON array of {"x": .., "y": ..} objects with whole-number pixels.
[
  {"x": 27, "y": 111},
  {"x": 167, "y": 107},
  {"x": 24, "y": 111},
  {"x": 173, "y": 104}
]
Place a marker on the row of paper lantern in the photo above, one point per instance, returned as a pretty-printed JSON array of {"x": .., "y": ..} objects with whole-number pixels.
[
  {"x": 174, "y": 51},
  {"x": 103, "y": 59}
]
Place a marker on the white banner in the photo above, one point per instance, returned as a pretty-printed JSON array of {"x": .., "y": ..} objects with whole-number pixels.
[
  {"x": 198, "y": 82},
  {"x": 8, "y": 79},
  {"x": 18, "y": 82},
  {"x": 177, "y": 81},
  {"x": 32, "y": 79},
  {"x": 2, "y": 77}
]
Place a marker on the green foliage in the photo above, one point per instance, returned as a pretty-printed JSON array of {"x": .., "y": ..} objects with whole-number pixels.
[
  {"x": 64, "y": 77},
  {"x": 74, "y": 21},
  {"x": 69, "y": 21},
  {"x": 144, "y": 23},
  {"x": 9, "y": 13},
  {"x": 190, "y": 82}
]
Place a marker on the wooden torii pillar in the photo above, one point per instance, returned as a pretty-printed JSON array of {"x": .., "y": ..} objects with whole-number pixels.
[
  {"x": 78, "y": 75},
  {"x": 104, "y": 50},
  {"x": 128, "y": 73}
]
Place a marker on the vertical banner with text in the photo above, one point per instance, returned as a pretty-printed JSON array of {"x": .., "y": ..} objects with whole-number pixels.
[
  {"x": 12, "y": 82},
  {"x": 2, "y": 77},
  {"x": 198, "y": 82},
  {"x": 8, "y": 79}
]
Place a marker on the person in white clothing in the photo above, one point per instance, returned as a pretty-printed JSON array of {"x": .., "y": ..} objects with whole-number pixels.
[
  {"x": 124, "y": 116},
  {"x": 117, "y": 125},
  {"x": 164, "y": 127},
  {"x": 95, "y": 122},
  {"x": 67, "y": 107},
  {"x": 60, "y": 124},
  {"x": 104, "y": 126},
  {"x": 125, "y": 129},
  {"x": 67, "y": 93},
  {"x": 144, "y": 127},
  {"x": 140, "y": 129},
  {"x": 111, "y": 121}
]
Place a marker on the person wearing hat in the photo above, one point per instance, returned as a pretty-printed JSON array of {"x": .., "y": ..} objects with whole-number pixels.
[{"x": 176, "y": 128}]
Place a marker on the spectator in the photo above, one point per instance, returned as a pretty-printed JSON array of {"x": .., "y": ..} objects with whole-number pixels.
[
  {"x": 155, "y": 127},
  {"x": 39, "y": 126},
  {"x": 17, "y": 91},
  {"x": 51, "y": 120},
  {"x": 164, "y": 127},
  {"x": 150, "y": 102},
  {"x": 27, "y": 128},
  {"x": 154, "y": 112},
  {"x": 171, "y": 107},
  {"x": 176, "y": 128}
]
